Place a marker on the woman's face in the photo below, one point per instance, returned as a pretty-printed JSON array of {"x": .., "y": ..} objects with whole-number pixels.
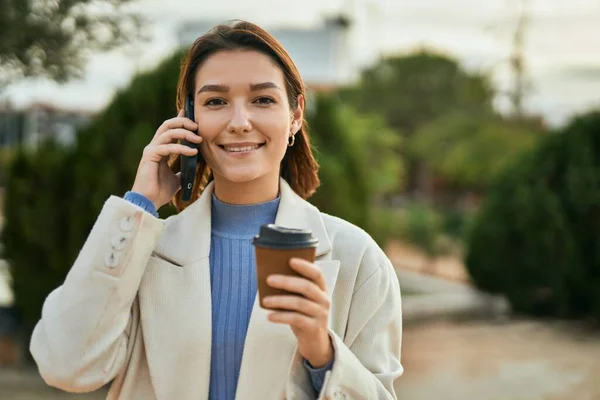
[{"x": 244, "y": 116}]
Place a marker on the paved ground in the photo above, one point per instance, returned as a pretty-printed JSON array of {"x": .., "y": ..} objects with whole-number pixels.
[
  {"x": 525, "y": 360},
  {"x": 428, "y": 297},
  {"x": 408, "y": 257}
]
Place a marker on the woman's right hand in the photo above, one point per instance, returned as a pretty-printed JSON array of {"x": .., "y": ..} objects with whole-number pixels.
[{"x": 154, "y": 179}]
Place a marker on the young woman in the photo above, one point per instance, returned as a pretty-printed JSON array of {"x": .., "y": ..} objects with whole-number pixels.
[{"x": 166, "y": 309}]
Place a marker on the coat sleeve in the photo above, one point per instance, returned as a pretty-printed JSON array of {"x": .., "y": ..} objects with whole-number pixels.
[
  {"x": 81, "y": 341},
  {"x": 367, "y": 360}
]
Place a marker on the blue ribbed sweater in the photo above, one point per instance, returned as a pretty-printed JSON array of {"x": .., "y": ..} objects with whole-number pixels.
[{"x": 233, "y": 287}]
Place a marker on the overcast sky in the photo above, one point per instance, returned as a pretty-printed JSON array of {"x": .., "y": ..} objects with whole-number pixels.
[{"x": 562, "y": 44}]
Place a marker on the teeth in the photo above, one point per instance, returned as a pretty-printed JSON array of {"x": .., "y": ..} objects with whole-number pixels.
[{"x": 238, "y": 149}]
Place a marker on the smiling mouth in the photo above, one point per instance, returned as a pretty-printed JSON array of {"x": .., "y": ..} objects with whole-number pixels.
[{"x": 241, "y": 149}]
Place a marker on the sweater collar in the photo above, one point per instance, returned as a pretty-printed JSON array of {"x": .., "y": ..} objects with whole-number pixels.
[
  {"x": 186, "y": 236},
  {"x": 241, "y": 220}
]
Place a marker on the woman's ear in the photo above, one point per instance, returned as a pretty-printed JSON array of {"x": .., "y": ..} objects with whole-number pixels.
[{"x": 298, "y": 115}]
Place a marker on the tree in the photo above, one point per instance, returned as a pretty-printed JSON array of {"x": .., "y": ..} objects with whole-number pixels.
[
  {"x": 467, "y": 150},
  {"x": 52, "y": 39},
  {"x": 536, "y": 238},
  {"x": 410, "y": 90},
  {"x": 415, "y": 89}
]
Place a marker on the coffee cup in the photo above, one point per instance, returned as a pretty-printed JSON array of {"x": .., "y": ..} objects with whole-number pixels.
[{"x": 274, "y": 246}]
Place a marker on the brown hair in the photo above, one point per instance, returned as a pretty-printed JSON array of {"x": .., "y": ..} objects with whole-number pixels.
[{"x": 298, "y": 167}]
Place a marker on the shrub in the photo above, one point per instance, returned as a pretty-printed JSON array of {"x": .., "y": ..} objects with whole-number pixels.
[
  {"x": 536, "y": 237},
  {"x": 358, "y": 157},
  {"x": 437, "y": 232},
  {"x": 36, "y": 227}
]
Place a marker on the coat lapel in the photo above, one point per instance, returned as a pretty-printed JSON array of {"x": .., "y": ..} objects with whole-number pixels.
[
  {"x": 270, "y": 349},
  {"x": 175, "y": 305}
]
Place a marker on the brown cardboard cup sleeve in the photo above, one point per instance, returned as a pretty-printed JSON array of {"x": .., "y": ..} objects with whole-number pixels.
[{"x": 274, "y": 246}]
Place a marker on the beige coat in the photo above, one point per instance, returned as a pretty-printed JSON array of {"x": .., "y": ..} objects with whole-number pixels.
[{"x": 135, "y": 309}]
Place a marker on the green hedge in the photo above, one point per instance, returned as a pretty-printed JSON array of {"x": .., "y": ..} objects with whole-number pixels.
[
  {"x": 54, "y": 195},
  {"x": 537, "y": 237},
  {"x": 36, "y": 235}
]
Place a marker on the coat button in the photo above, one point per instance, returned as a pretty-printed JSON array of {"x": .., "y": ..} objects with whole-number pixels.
[
  {"x": 111, "y": 260},
  {"x": 118, "y": 243},
  {"x": 127, "y": 223}
]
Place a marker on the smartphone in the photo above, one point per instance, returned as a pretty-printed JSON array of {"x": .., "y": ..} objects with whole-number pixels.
[{"x": 188, "y": 164}]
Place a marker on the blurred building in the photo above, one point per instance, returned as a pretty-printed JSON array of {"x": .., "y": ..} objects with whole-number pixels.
[
  {"x": 31, "y": 126},
  {"x": 323, "y": 53},
  {"x": 11, "y": 344}
]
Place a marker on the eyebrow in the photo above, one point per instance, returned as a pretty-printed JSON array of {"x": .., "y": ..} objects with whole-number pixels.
[{"x": 254, "y": 87}]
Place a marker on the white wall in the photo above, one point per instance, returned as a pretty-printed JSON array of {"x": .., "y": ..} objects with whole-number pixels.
[{"x": 322, "y": 53}]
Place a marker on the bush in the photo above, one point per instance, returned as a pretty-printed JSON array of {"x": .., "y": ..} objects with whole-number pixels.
[
  {"x": 6, "y": 155},
  {"x": 357, "y": 154},
  {"x": 437, "y": 232},
  {"x": 536, "y": 238},
  {"x": 422, "y": 226},
  {"x": 36, "y": 226}
]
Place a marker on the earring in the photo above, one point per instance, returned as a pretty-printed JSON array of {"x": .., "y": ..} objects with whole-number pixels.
[{"x": 292, "y": 141}]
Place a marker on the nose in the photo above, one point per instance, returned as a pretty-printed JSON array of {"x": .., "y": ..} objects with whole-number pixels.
[{"x": 240, "y": 120}]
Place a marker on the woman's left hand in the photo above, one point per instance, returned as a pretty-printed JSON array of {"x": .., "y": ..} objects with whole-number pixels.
[{"x": 308, "y": 313}]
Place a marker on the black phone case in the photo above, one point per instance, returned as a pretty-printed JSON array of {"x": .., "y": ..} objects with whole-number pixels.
[{"x": 188, "y": 164}]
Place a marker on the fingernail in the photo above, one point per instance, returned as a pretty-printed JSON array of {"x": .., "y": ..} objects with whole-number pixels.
[{"x": 273, "y": 279}]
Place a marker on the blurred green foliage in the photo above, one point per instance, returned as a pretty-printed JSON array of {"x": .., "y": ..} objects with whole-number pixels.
[
  {"x": 446, "y": 117},
  {"x": 536, "y": 237},
  {"x": 358, "y": 161},
  {"x": 434, "y": 230},
  {"x": 54, "y": 38},
  {"x": 6, "y": 156},
  {"x": 36, "y": 230},
  {"x": 467, "y": 150},
  {"x": 453, "y": 143},
  {"x": 422, "y": 226},
  {"x": 413, "y": 89}
]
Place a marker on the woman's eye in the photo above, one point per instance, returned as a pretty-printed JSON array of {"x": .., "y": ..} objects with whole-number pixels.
[
  {"x": 264, "y": 100},
  {"x": 214, "y": 102}
]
